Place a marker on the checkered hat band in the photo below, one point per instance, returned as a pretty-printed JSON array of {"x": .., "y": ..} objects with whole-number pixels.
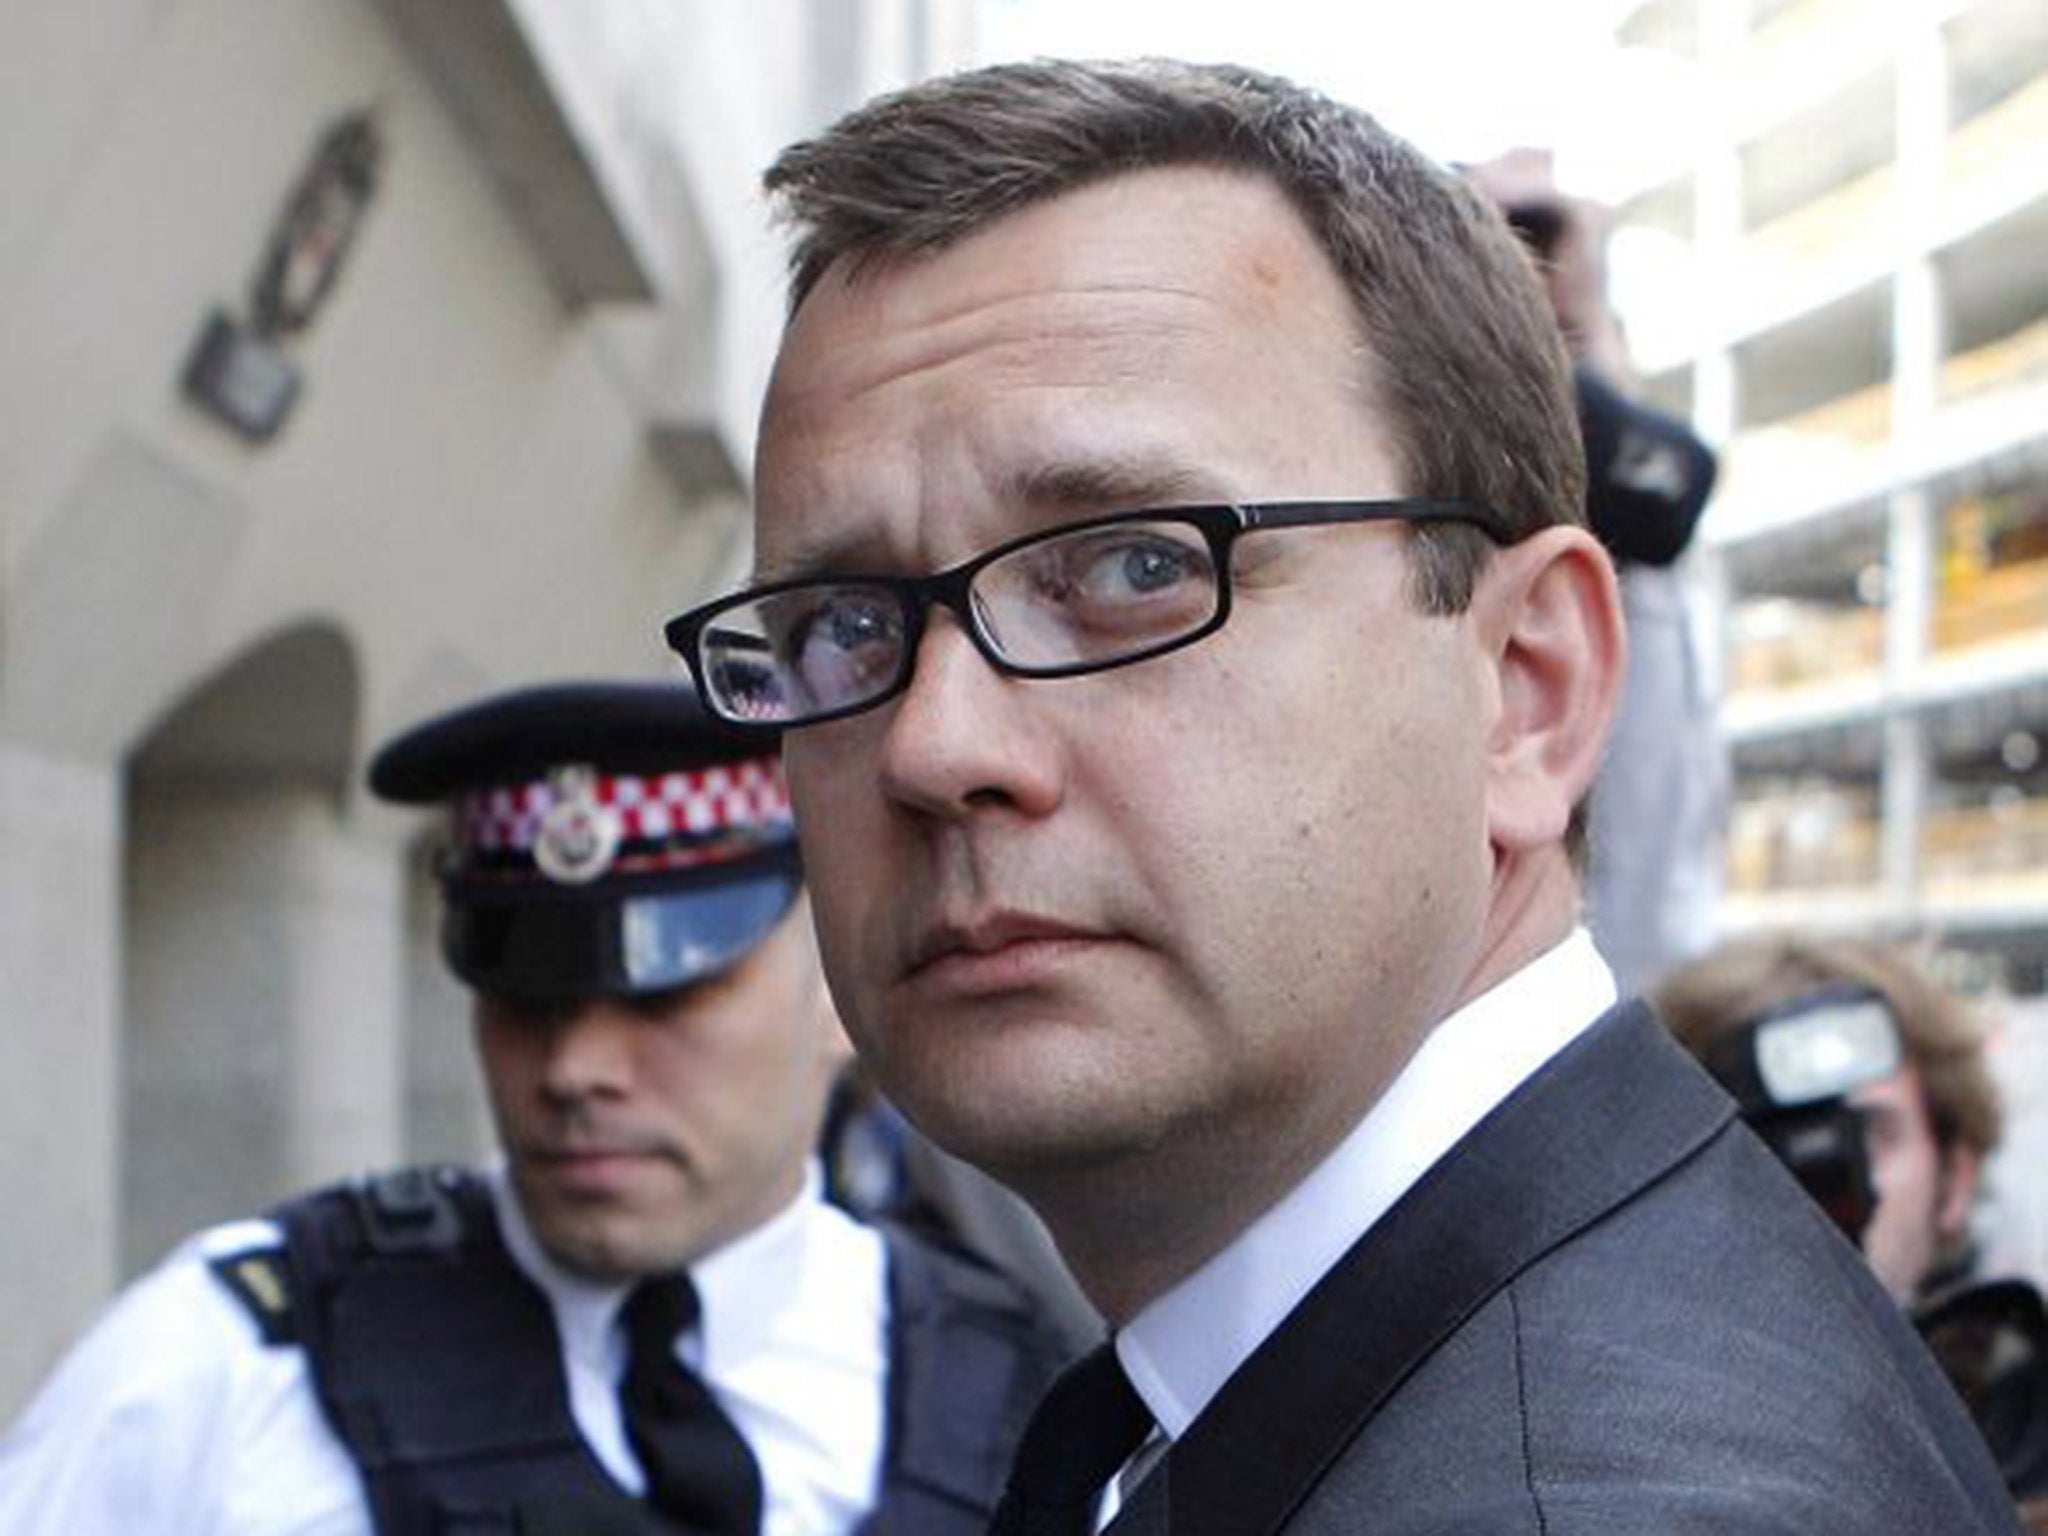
[{"x": 744, "y": 800}]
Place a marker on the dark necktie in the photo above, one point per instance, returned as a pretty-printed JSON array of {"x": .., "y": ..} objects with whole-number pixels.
[
  {"x": 1084, "y": 1428},
  {"x": 699, "y": 1471}
]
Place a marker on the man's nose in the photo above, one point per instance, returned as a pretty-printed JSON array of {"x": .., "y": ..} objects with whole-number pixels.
[
  {"x": 590, "y": 1050},
  {"x": 962, "y": 735}
]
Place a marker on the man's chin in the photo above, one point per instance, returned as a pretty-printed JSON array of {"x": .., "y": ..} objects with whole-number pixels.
[
  {"x": 602, "y": 1233},
  {"x": 606, "y": 1246},
  {"x": 1027, "y": 1145}
]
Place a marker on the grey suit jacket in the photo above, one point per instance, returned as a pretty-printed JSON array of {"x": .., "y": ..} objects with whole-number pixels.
[{"x": 1608, "y": 1310}]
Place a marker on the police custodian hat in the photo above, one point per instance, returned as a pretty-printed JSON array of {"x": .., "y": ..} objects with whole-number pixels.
[{"x": 604, "y": 839}]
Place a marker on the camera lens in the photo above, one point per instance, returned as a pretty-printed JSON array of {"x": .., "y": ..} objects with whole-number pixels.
[{"x": 1539, "y": 225}]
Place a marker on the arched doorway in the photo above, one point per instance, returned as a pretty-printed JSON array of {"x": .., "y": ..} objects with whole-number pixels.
[{"x": 261, "y": 976}]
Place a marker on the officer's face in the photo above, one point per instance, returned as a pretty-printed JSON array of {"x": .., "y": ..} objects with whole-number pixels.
[
  {"x": 1184, "y": 919},
  {"x": 645, "y": 1132}
]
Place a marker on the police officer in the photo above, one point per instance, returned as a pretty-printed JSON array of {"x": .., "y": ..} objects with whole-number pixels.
[{"x": 645, "y": 1317}]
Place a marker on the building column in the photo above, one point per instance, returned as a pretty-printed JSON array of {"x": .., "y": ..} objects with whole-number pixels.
[
  {"x": 60, "y": 967},
  {"x": 344, "y": 915},
  {"x": 1908, "y": 766}
]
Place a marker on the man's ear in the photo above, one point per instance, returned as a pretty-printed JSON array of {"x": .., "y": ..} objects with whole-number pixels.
[
  {"x": 838, "y": 1045},
  {"x": 1960, "y": 1167},
  {"x": 1549, "y": 611}
]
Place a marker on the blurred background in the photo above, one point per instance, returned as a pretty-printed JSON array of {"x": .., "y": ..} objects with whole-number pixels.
[{"x": 359, "y": 356}]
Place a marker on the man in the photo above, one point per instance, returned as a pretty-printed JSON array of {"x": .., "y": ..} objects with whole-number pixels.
[
  {"x": 647, "y": 1320},
  {"x": 1929, "y": 1113},
  {"x": 1870, "y": 1080},
  {"x": 1172, "y": 582}
]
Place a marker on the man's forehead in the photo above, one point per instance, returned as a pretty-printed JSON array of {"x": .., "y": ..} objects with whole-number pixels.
[
  {"x": 1193, "y": 233},
  {"x": 1039, "y": 343}
]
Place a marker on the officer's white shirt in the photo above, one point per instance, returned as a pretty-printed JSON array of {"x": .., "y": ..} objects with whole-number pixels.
[
  {"x": 1182, "y": 1347},
  {"x": 172, "y": 1417}
]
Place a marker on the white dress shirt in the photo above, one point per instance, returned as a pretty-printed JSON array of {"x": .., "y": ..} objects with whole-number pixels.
[
  {"x": 171, "y": 1415},
  {"x": 1182, "y": 1347}
]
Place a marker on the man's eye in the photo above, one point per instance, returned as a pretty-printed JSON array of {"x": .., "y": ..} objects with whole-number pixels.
[
  {"x": 825, "y": 623},
  {"x": 844, "y": 648},
  {"x": 850, "y": 626},
  {"x": 524, "y": 1015},
  {"x": 1112, "y": 570},
  {"x": 1880, "y": 1127},
  {"x": 1150, "y": 567},
  {"x": 838, "y": 631}
]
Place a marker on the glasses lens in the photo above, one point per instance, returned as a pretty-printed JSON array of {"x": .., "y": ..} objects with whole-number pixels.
[
  {"x": 1096, "y": 595},
  {"x": 808, "y": 651}
]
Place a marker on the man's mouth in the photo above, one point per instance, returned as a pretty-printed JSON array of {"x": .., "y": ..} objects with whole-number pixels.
[
  {"x": 996, "y": 952},
  {"x": 594, "y": 1167}
]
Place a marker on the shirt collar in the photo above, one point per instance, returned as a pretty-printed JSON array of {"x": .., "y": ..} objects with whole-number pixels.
[
  {"x": 1182, "y": 1347},
  {"x": 740, "y": 1286}
]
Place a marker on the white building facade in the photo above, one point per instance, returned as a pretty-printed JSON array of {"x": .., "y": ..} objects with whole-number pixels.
[
  {"x": 1861, "y": 217},
  {"x": 523, "y": 311}
]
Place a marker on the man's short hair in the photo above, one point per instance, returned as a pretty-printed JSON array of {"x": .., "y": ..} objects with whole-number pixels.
[
  {"x": 1462, "y": 352},
  {"x": 1746, "y": 978}
]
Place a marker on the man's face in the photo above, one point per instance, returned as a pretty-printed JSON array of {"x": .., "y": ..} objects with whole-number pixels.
[
  {"x": 1923, "y": 1197},
  {"x": 1188, "y": 915},
  {"x": 644, "y": 1132}
]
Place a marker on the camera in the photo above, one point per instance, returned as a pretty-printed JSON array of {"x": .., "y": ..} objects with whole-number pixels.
[
  {"x": 1539, "y": 224},
  {"x": 1647, "y": 475},
  {"x": 1791, "y": 1072}
]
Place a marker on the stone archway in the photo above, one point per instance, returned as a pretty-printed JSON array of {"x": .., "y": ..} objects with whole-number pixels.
[{"x": 261, "y": 947}]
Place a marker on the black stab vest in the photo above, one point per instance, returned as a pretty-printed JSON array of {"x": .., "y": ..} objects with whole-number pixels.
[{"x": 438, "y": 1366}]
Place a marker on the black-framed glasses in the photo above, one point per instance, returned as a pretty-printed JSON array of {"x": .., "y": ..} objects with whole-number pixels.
[{"x": 1079, "y": 598}]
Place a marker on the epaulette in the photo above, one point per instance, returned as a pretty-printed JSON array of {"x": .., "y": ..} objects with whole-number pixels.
[
  {"x": 256, "y": 1277},
  {"x": 411, "y": 1211}
]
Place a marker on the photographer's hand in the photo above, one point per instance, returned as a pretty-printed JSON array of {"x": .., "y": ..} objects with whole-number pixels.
[{"x": 1568, "y": 238}]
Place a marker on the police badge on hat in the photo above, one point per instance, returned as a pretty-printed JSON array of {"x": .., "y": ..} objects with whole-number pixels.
[
  {"x": 578, "y": 835},
  {"x": 605, "y": 839}
]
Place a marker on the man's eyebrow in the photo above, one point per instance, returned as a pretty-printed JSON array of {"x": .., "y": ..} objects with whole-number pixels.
[
  {"x": 1114, "y": 484},
  {"x": 808, "y": 564},
  {"x": 1073, "y": 486},
  {"x": 821, "y": 555}
]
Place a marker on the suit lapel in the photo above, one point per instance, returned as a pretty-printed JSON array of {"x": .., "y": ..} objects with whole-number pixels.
[{"x": 1612, "y": 1113}]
